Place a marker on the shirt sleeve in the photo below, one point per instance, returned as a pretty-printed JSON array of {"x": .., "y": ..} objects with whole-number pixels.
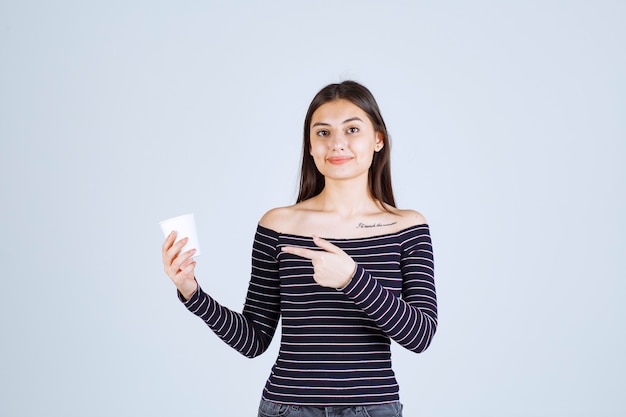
[
  {"x": 251, "y": 331},
  {"x": 410, "y": 320}
]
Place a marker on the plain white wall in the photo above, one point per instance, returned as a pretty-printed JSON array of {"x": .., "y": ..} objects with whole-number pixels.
[{"x": 507, "y": 120}]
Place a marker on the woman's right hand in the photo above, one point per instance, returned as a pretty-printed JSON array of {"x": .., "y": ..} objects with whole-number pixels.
[{"x": 180, "y": 267}]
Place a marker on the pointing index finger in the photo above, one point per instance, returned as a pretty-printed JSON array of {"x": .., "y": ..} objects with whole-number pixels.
[
  {"x": 326, "y": 245},
  {"x": 303, "y": 252}
]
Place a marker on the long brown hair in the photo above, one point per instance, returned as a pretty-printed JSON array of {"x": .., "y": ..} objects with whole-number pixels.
[{"x": 379, "y": 178}]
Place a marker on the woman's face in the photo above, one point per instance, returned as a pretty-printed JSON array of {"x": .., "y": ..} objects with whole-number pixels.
[{"x": 343, "y": 140}]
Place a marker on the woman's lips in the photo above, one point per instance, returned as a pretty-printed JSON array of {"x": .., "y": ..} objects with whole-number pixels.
[{"x": 338, "y": 160}]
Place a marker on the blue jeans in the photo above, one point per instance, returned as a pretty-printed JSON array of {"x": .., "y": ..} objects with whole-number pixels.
[{"x": 271, "y": 409}]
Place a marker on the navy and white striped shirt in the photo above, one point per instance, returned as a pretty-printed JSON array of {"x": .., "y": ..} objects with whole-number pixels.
[{"x": 335, "y": 347}]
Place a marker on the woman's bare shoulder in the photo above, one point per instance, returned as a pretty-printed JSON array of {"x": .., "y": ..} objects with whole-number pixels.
[
  {"x": 408, "y": 218},
  {"x": 280, "y": 219}
]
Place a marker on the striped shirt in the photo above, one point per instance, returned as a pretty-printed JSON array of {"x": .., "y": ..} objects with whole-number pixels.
[{"x": 335, "y": 347}]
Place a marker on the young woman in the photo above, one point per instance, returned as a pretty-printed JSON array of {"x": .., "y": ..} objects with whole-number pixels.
[{"x": 345, "y": 269}]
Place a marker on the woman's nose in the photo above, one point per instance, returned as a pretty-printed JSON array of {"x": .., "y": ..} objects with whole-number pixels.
[{"x": 338, "y": 143}]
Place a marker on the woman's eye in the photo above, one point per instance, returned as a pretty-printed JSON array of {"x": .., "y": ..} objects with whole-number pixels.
[
  {"x": 322, "y": 133},
  {"x": 353, "y": 129}
]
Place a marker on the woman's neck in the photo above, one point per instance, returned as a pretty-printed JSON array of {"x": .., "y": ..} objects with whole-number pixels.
[{"x": 347, "y": 200}]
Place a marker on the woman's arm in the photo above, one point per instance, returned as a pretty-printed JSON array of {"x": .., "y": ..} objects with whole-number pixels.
[
  {"x": 411, "y": 320},
  {"x": 251, "y": 331}
]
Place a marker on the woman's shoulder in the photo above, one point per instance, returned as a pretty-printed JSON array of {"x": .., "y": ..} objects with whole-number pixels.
[
  {"x": 280, "y": 218},
  {"x": 408, "y": 217},
  {"x": 413, "y": 217}
]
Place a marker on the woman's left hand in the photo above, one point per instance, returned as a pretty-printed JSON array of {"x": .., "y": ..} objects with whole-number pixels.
[{"x": 332, "y": 267}]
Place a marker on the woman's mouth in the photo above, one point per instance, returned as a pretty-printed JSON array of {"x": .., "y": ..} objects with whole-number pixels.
[{"x": 338, "y": 160}]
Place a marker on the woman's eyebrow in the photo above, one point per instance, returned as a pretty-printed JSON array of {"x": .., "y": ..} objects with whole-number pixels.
[
  {"x": 352, "y": 119},
  {"x": 320, "y": 124}
]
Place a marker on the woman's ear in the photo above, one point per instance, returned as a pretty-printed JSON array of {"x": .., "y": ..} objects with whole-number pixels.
[{"x": 380, "y": 142}]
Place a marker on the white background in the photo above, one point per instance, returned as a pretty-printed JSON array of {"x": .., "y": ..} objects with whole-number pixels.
[{"x": 509, "y": 135}]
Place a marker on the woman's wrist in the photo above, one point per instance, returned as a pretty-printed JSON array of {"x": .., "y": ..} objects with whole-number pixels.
[
  {"x": 189, "y": 289},
  {"x": 346, "y": 282}
]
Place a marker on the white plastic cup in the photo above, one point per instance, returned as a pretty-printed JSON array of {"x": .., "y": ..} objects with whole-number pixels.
[{"x": 185, "y": 226}]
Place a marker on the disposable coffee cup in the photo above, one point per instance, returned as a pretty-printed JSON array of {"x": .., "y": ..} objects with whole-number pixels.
[{"x": 185, "y": 226}]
